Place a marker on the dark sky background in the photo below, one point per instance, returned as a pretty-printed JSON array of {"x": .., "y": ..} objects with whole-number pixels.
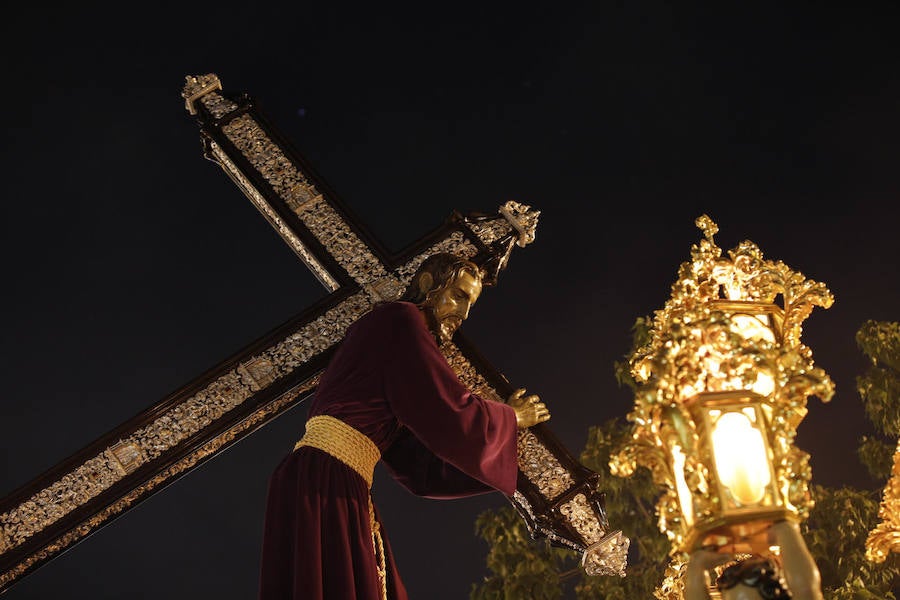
[{"x": 131, "y": 264}]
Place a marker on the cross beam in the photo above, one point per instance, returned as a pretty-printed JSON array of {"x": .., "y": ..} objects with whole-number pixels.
[{"x": 556, "y": 495}]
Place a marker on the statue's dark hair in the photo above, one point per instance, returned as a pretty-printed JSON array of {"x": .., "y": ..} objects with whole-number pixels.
[
  {"x": 759, "y": 572},
  {"x": 444, "y": 268}
]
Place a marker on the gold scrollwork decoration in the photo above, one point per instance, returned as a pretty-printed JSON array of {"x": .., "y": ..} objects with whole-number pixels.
[{"x": 723, "y": 333}]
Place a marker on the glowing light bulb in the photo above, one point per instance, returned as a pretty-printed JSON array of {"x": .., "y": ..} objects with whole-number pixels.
[{"x": 741, "y": 459}]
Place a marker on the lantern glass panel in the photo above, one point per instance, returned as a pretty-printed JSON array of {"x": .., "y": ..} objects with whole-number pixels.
[{"x": 740, "y": 455}]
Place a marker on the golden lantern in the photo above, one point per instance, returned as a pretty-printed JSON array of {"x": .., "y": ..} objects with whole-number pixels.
[{"x": 722, "y": 386}]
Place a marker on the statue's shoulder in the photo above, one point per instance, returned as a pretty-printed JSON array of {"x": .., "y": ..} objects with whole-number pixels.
[
  {"x": 395, "y": 310},
  {"x": 394, "y": 313},
  {"x": 386, "y": 320}
]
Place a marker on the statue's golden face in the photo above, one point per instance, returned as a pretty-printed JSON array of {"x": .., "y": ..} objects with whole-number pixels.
[{"x": 449, "y": 307}]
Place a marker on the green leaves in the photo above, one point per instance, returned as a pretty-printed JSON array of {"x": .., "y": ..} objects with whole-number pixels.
[
  {"x": 520, "y": 567},
  {"x": 879, "y": 386},
  {"x": 877, "y": 456},
  {"x": 836, "y": 533}
]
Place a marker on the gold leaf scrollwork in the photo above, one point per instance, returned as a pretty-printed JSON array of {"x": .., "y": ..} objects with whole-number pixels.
[
  {"x": 581, "y": 516},
  {"x": 608, "y": 556},
  {"x": 722, "y": 332},
  {"x": 541, "y": 467}
]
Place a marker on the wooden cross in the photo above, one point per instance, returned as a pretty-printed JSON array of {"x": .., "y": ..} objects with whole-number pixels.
[{"x": 556, "y": 495}]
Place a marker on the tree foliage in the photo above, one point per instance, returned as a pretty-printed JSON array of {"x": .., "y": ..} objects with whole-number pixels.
[
  {"x": 520, "y": 567},
  {"x": 836, "y": 531},
  {"x": 879, "y": 388}
]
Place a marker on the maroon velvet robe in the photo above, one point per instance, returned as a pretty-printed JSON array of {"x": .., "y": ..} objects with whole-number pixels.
[{"x": 388, "y": 380}]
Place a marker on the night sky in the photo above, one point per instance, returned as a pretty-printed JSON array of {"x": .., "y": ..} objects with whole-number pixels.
[{"x": 132, "y": 265}]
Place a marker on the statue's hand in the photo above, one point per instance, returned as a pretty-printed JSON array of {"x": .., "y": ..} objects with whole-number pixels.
[{"x": 529, "y": 409}]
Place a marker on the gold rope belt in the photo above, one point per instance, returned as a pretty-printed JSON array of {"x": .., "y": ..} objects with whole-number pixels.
[
  {"x": 358, "y": 452},
  {"x": 344, "y": 443}
]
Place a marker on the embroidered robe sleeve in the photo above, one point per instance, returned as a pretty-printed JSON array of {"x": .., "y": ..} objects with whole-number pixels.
[
  {"x": 474, "y": 435},
  {"x": 421, "y": 472}
]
